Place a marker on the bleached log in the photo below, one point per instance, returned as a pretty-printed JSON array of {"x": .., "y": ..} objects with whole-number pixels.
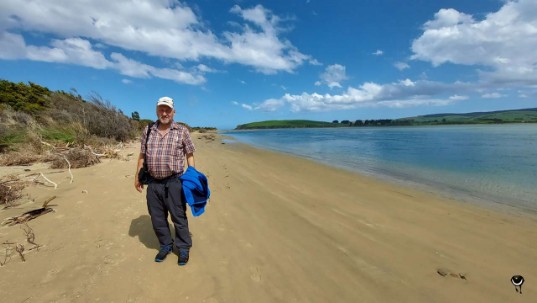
[{"x": 41, "y": 175}]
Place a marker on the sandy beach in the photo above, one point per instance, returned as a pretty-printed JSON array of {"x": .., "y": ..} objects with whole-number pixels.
[{"x": 277, "y": 229}]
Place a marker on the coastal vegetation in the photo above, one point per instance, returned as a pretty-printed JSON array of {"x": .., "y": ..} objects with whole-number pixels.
[
  {"x": 31, "y": 114},
  {"x": 495, "y": 117},
  {"x": 35, "y": 122}
]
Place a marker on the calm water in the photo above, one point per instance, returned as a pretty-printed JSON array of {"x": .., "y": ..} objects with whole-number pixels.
[{"x": 481, "y": 163}]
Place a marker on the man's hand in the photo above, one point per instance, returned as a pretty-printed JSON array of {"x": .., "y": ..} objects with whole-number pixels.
[{"x": 138, "y": 185}]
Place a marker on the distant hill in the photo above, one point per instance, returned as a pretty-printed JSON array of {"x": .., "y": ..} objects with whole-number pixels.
[
  {"x": 494, "y": 117},
  {"x": 528, "y": 115}
]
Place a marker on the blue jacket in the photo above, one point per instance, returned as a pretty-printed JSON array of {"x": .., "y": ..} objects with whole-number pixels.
[{"x": 195, "y": 190}]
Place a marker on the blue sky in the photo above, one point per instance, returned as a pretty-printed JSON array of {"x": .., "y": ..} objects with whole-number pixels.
[{"x": 231, "y": 62}]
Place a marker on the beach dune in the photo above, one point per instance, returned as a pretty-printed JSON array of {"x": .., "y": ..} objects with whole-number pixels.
[{"x": 277, "y": 229}]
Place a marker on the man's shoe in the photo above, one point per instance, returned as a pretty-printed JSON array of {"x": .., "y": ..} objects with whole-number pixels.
[
  {"x": 183, "y": 256},
  {"x": 163, "y": 252}
]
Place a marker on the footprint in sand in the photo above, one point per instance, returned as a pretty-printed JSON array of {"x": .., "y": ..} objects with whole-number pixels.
[
  {"x": 255, "y": 274},
  {"x": 51, "y": 274}
]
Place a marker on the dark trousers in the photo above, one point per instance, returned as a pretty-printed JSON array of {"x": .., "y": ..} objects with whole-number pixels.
[{"x": 164, "y": 197}]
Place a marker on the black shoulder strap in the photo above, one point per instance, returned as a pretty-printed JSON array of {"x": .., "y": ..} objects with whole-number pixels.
[
  {"x": 146, "y": 139},
  {"x": 147, "y": 134}
]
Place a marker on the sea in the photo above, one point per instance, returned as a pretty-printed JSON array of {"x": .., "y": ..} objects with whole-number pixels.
[{"x": 494, "y": 165}]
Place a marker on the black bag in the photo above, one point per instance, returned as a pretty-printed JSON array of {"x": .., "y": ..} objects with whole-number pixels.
[{"x": 143, "y": 175}]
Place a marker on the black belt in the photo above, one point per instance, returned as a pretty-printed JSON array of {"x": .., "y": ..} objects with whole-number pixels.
[{"x": 165, "y": 180}]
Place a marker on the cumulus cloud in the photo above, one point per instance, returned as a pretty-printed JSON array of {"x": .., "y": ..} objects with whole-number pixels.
[
  {"x": 161, "y": 28},
  {"x": 457, "y": 97},
  {"x": 271, "y": 105},
  {"x": 333, "y": 75},
  {"x": 494, "y": 95},
  {"x": 504, "y": 42},
  {"x": 501, "y": 45},
  {"x": 378, "y": 52},
  {"x": 401, "y": 65},
  {"x": 132, "y": 68},
  {"x": 81, "y": 52},
  {"x": 74, "y": 51},
  {"x": 403, "y": 93}
]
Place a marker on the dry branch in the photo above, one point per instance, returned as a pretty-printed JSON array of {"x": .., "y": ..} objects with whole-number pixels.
[
  {"x": 20, "y": 249},
  {"x": 30, "y": 235},
  {"x": 45, "y": 203},
  {"x": 27, "y": 216},
  {"x": 7, "y": 253},
  {"x": 69, "y": 168},
  {"x": 41, "y": 175}
]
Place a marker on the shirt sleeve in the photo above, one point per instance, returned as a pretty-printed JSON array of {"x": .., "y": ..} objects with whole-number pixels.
[{"x": 187, "y": 142}]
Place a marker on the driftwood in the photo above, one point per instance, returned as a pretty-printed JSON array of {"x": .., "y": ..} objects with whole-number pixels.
[
  {"x": 45, "y": 203},
  {"x": 41, "y": 175},
  {"x": 69, "y": 164},
  {"x": 29, "y": 215}
]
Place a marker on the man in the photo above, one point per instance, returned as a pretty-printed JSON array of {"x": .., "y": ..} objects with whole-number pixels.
[{"x": 168, "y": 146}]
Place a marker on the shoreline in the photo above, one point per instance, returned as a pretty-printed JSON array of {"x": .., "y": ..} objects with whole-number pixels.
[
  {"x": 452, "y": 195},
  {"x": 457, "y": 192},
  {"x": 278, "y": 228}
]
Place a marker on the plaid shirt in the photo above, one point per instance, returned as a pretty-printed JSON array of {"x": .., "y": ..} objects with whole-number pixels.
[{"x": 166, "y": 154}]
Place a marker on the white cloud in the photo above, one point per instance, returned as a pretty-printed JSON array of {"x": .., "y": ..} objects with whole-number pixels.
[
  {"x": 12, "y": 46},
  {"x": 80, "y": 52},
  {"x": 407, "y": 82},
  {"x": 401, "y": 65},
  {"x": 333, "y": 75},
  {"x": 77, "y": 51},
  {"x": 243, "y": 105},
  {"x": 504, "y": 42},
  {"x": 494, "y": 95},
  {"x": 271, "y": 105},
  {"x": 73, "y": 51},
  {"x": 404, "y": 93},
  {"x": 132, "y": 68},
  {"x": 161, "y": 28},
  {"x": 205, "y": 69},
  {"x": 458, "y": 98},
  {"x": 378, "y": 52},
  {"x": 248, "y": 107}
]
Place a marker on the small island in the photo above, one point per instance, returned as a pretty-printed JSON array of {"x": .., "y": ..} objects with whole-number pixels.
[{"x": 528, "y": 115}]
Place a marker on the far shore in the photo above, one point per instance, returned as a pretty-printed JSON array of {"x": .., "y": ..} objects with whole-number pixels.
[{"x": 278, "y": 228}]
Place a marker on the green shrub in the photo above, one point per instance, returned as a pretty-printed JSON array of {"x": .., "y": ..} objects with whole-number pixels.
[{"x": 62, "y": 134}]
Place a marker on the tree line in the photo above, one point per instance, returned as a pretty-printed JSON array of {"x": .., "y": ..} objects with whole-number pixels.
[{"x": 375, "y": 122}]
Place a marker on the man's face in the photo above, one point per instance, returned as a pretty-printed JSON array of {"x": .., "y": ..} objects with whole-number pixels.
[{"x": 165, "y": 114}]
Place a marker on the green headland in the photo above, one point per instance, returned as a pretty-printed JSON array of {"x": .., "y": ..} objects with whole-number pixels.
[{"x": 528, "y": 115}]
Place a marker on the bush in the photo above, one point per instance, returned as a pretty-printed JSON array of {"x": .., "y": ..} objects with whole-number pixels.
[
  {"x": 10, "y": 189},
  {"x": 104, "y": 120},
  {"x": 77, "y": 157},
  {"x": 62, "y": 134},
  {"x": 20, "y": 158},
  {"x": 31, "y": 114}
]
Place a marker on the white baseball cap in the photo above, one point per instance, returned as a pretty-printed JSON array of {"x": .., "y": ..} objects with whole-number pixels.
[{"x": 165, "y": 101}]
